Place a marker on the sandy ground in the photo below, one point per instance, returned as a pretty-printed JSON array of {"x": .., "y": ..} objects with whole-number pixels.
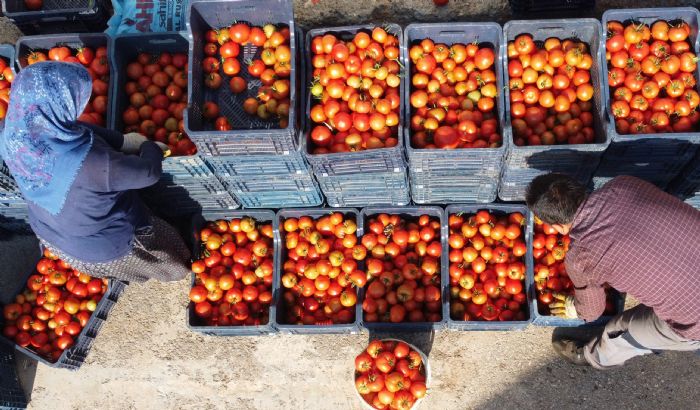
[{"x": 145, "y": 357}]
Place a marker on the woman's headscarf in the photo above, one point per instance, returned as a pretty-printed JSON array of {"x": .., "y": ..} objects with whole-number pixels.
[{"x": 41, "y": 142}]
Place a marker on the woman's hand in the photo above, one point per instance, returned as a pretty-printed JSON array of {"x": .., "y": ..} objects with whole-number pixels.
[{"x": 132, "y": 143}]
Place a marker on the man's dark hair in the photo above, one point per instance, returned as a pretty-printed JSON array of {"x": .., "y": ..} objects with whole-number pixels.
[{"x": 555, "y": 198}]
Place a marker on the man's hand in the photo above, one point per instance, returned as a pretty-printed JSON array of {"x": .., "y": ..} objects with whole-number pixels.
[
  {"x": 132, "y": 143},
  {"x": 563, "y": 306}
]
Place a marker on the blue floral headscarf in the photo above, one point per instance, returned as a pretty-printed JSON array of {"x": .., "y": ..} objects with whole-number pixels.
[{"x": 42, "y": 143}]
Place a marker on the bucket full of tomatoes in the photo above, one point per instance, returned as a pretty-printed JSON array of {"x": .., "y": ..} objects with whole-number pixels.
[{"x": 391, "y": 374}]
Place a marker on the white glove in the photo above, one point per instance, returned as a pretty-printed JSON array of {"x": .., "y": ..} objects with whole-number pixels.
[
  {"x": 164, "y": 148},
  {"x": 563, "y": 307},
  {"x": 132, "y": 143}
]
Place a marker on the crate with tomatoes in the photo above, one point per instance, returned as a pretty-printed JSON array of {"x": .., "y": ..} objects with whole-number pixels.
[
  {"x": 454, "y": 126},
  {"x": 149, "y": 97},
  {"x": 244, "y": 77},
  {"x": 405, "y": 269},
  {"x": 233, "y": 272},
  {"x": 650, "y": 73},
  {"x": 490, "y": 276},
  {"x": 56, "y": 311},
  {"x": 353, "y": 112},
  {"x": 554, "y": 102}
]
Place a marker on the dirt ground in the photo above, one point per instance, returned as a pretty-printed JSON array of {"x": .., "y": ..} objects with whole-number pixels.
[{"x": 145, "y": 357}]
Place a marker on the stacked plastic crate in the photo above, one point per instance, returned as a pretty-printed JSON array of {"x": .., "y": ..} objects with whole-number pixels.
[
  {"x": 13, "y": 209},
  {"x": 459, "y": 175},
  {"x": 59, "y": 16},
  {"x": 524, "y": 163},
  {"x": 360, "y": 178},
  {"x": 687, "y": 185},
  {"x": 657, "y": 158},
  {"x": 258, "y": 162},
  {"x": 187, "y": 183}
]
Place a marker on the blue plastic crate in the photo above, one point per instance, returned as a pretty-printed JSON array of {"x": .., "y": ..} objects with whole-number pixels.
[
  {"x": 73, "y": 41},
  {"x": 649, "y": 16},
  {"x": 550, "y": 158},
  {"x": 656, "y": 160},
  {"x": 193, "y": 322},
  {"x": 250, "y": 134},
  {"x": 271, "y": 199},
  {"x": 451, "y": 186},
  {"x": 11, "y": 393},
  {"x": 694, "y": 201},
  {"x": 349, "y": 328},
  {"x": 178, "y": 201},
  {"x": 499, "y": 209},
  {"x": 688, "y": 182},
  {"x": 258, "y": 165},
  {"x": 413, "y": 213},
  {"x": 479, "y": 166},
  {"x": 556, "y": 321},
  {"x": 360, "y": 199},
  {"x": 59, "y": 16},
  {"x": 376, "y": 160},
  {"x": 73, "y": 357},
  {"x": 366, "y": 189}
]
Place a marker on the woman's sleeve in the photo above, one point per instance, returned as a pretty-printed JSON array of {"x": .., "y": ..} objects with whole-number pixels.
[
  {"x": 115, "y": 139},
  {"x": 135, "y": 172}
]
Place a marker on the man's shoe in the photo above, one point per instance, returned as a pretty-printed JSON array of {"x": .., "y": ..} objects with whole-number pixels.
[{"x": 569, "y": 350}]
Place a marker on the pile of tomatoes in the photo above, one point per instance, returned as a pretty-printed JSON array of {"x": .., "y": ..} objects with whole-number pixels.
[
  {"x": 53, "y": 309},
  {"x": 157, "y": 92},
  {"x": 355, "y": 91},
  {"x": 320, "y": 270},
  {"x": 7, "y": 76},
  {"x": 222, "y": 50},
  {"x": 390, "y": 374},
  {"x": 550, "y": 91},
  {"x": 97, "y": 65},
  {"x": 651, "y": 72},
  {"x": 487, "y": 267},
  {"x": 233, "y": 277},
  {"x": 404, "y": 268},
  {"x": 453, "y": 102}
]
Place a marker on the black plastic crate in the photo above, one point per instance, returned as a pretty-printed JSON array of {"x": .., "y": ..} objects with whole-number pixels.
[
  {"x": 250, "y": 134},
  {"x": 27, "y": 44},
  {"x": 413, "y": 213},
  {"x": 73, "y": 357},
  {"x": 314, "y": 213},
  {"x": 11, "y": 394},
  {"x": 550, "y": 6},
  {"x": 59, "y": 16},
  {"x": 193, "y": 322},
  {"x": 687, "y": 184}
]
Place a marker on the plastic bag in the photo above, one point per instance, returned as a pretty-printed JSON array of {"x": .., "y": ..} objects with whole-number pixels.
[{"x": 143, "y": 16}]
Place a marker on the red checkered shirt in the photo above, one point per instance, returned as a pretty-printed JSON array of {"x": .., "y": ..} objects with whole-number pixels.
[{"x": 642, "y": 241}]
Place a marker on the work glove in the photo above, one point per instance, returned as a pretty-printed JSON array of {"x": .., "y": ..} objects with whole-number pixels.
[
  {"x": 132, "y": 143},
  {"x": 563, "y": 306},
  {"x": 164, "y": 148}
]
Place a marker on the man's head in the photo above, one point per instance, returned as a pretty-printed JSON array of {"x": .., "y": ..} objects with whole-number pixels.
[{"x": 555, "y": 198}]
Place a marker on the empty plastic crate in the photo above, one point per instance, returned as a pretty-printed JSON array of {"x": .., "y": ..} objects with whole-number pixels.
[
  {"x": 379, "y": 188},
  {"x": 657, "y": 160},
  {"x": 576, "y": 159},
  {"x": 194, "y": 322},
  {"x": 498, "y": 209},
  {"x": 412, "y": 213},
  {"x": 11, "y": 393},
  {"x": 59, "y": 16},
  {"x": 432, "y": 170},
  {"x": 376, "y": 160},
  {"x": 182, "y": 201},
  {"x": 258, "y": 165},
  {"x": 649, "y": 16},
  {"x": 694, "y": 201},
  {"x": 73, "y": 357},
  {"x": 314, "y": 213},
  {"x": 250, "y": 134},
  {"x": 687, "y": 184},
  {"x": 27, "y": 44}
]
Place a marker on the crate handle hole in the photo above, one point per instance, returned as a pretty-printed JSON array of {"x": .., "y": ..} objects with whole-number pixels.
[
  {"x": 164, "y": 41},
  {"x": 451, "y": 33}
]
